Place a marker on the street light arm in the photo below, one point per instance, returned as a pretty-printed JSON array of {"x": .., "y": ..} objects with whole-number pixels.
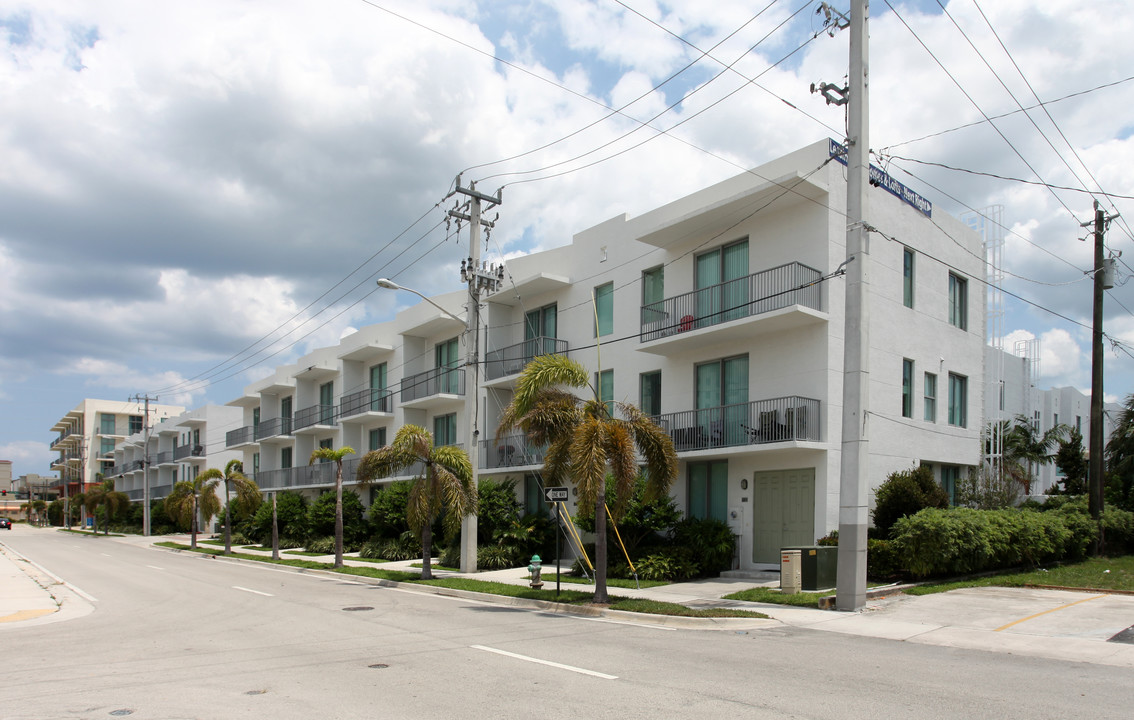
[{"x": 389, "y": 284}]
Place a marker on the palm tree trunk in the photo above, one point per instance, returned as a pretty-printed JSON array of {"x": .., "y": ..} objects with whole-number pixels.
[
  {"x": 600, "y": 547},
  {"x": 227, "y": 522},
  {"x": 193, "y": 526},
  {"x": 339, "y": 515},
  {"x": 275, "y": 531},
  {"x": 426, "y": 551}
]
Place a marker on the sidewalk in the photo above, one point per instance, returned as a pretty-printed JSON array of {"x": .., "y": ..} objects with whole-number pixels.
[{"x": 1059, "y": 625}]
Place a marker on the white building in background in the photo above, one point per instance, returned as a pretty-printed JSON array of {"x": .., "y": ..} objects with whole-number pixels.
[
  {"x": 720, "y": 314},
  {"x": 178, "y": 448},
  {"x": 1019, "y": 396},
  {"x": 88, "y": 436}
]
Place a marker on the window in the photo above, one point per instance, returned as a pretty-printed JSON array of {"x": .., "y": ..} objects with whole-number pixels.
[
  {"x": 950, "y": 474},
  {"x": 930, "y": 399},
  {"x": 1079, "y": 424},
  {"x": 649, "y": 393},
  {"x": 1001, "y": 394},
  {"x": 135, "y": 424},
  {"x": 106, "y": 446},
  {"x": 377, "y": 438},
  {"x": 958, "y": 302},
  {"x": 721, "y": 389},
  {"x": 907, "y": 277},
  {"x": 329, "y": 443},
  {"x": 1055, "y": 420},
  {"x": 958, "y": 400},
  {"x": 255, "y": 463},
  {"x": 196, "y": 440},
  {"x": 604, "y": 309},
  {"x": 542, "y": 322},
  {"x": 907, "y": 388},
  {"x": 285, "y": 457},
  {"x": 533, "y": 496},
  {"x": 722, "y": 292},
  {"x": 1036, "y": 420},
  {"x": 445, "y": 355},
  {"x": 445, "y": 430},
  {"x": 106, "y": 423},
  {"x": 604, "y": 383},
  {"x": 327, "y": 403},
  {"x": 378, "y": 376},
  {"x": 708, "y": 490},
  {"x": 255, "y": 417},
  {"x": 285, "y": 408}
]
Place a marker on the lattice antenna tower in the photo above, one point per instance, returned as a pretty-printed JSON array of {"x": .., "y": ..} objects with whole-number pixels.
[{"x": 988, "y": 222}]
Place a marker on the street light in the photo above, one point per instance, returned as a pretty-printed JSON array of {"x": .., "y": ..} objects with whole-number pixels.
[{"x": 469, "y": 525}]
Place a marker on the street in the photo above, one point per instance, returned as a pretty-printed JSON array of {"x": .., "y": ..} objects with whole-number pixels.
[{"x": 178, "y": 635}]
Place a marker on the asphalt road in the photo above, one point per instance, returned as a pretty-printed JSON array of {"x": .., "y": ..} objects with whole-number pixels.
[{"x": 175, "y": 635}]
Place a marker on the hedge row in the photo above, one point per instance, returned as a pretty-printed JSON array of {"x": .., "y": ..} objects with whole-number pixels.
[{"x": 963, "y": 540}]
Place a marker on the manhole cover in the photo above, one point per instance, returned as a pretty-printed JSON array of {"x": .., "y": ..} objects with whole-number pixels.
[
  {"x": 255, "y": 692},
  {"x": 357, "y": 608},
  {"x": 378, "y": 666},
  {"x": 118, "y": 713}
]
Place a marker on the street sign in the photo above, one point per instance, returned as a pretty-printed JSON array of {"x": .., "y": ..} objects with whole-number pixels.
[{"x": 555, "y": 494}]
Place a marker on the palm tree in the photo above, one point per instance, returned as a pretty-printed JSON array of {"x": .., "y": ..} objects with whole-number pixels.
[
  {"x": 191, "y": 500},
  {"x": 445, "y": 483},
  {"x": 247, "y": 494},
  {"x": 585, "y": 442},
  {"x": 1026, "y": 447},
  {"x": 91, "y": 499},
  {"x": 112, "y": 500},
  {"x": 327, "y": 454}
]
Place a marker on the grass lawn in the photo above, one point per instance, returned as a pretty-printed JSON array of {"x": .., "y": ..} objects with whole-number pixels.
[
  {"x": 369, "y": 560},
  {"x": 573, "y": 597},
  {"x": 611, "y": 582},
  {"x": 100, "y": 533},
  {"x": 306, "y": 552},
  {"x": 773, "y": 595},
  {"x": 1094, "y": 573}
]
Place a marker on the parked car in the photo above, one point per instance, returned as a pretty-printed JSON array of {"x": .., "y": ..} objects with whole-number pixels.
[{"x": 5, "y": 523}]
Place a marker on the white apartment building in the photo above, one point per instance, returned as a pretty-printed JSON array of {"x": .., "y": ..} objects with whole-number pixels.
[
  {"x": 1019, "y": 396},
  {"x": 178, "y": 448},
  {"x": 720, "y": 314},
  {"x": 88, "y": 436}
]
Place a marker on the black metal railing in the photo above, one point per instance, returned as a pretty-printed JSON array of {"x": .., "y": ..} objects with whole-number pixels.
[
  {"x": 510, "y": 451},
  {"x": 512, "y": 359},
  {"x": 272, "y": 428},
  {"x": 315, "y": 415},
  {"x": 437, "y": 381},
  {"x": 240, "y": 436},
  {"x": 159, "y": 491},
  {"x": 756, "y": 422},
  {"x": 765, "y": 291},
  {"x": 372, "y": 400},
  {"x": 319, "y": 474},
  {"x": 166, "y": 456}
]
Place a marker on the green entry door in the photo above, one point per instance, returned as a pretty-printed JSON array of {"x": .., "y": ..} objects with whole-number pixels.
[{"x": 783, "y": 508}]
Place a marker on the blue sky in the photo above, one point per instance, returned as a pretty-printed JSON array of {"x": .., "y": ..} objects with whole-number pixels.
[{"x": 194, "y": 192}]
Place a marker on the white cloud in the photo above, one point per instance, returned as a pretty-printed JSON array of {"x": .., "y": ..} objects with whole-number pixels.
[{"x": 28, "y": 453}]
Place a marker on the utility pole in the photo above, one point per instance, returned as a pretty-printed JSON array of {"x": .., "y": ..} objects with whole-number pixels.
[
  {"x": 145, "y": 463},
  {"x": 850, "y": 592},
  {"x": 478, "y": 278},
  {"x": 1102, "y": 282}
]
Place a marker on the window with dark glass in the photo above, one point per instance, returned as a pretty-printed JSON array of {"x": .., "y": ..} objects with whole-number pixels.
[{"x": 649, "y": 392}]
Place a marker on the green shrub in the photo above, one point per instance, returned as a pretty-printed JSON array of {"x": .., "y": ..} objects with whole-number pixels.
[
  {"x": 288, "y": 543},
  {"x": 882, "y": 561},
  {"x": 672, "y": 565},
  {"x": 291, "y": 519},
  {"x": 450, "y": 556},
  {"x": 1118, "y": 531},
  {"x": 710, "y": 543},
  {"x": 494, "y": 557},
  {"x": 321, "y": 518},
  {"x": 407, "y": 546},
  {"x": 388, "y": 509},
  {"x": 497, "y": 510},
  {"x": 324, "y": 545},
  {"x": 905, "y": 493}
]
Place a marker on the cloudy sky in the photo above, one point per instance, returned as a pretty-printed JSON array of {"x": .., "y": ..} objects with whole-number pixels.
[{"x": 192, "y": 192}]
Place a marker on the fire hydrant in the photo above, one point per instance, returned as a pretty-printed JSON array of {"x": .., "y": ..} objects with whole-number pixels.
[{"x": 536, "y": 568}]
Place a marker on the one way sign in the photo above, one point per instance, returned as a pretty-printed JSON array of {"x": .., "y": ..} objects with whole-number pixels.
[{"x": 555, "y": 494}]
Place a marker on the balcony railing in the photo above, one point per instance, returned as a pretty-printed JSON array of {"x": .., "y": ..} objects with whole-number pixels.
[
  {"x": 373, "y": 400},
  {"x": 136, "y": 494},
  {"x": 165, "y": 457},
  {"x": 183, "y": 451},
  {"x": 314, "y": 415},
  {"x": 762, "y": 292},
  {"x": 160, "y": 491},
  {"x": 272, "y": 428},
  {"x": 240, "y": 436},
  {"x": 305, "y": 475},
  {"x": 512, "y": 359},
  {"x": 510, "y": 451},
  {"x": 438, "y": 381},
  {"x": 752, "y": 423}
]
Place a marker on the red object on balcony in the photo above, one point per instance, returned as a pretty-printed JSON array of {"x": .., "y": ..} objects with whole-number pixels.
[{"x": 686, "y": 324}]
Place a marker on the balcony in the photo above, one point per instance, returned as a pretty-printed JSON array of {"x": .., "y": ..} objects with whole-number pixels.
[
  {"x": 433, "y": 388},
  {"x": 314, "y": 418},
  {"x": 510, "y": 451},
  {"x": 512, "y": 359},
  {"x": 773, "y": 300},
  {"x": 241, "y": 436},
  {"x": 184, "y": 452},
  {"x": 760, "y": 422},
  {"x": 317, "y": 475},
  {"x": 166, "y": 457},
  {"x": 159, "y": 491},
  {"x": 275, "y": 428},
  {"x": 366, "y": 402}
]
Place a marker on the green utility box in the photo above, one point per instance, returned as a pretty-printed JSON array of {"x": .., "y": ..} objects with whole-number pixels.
[{"x": 819, "y": 566}]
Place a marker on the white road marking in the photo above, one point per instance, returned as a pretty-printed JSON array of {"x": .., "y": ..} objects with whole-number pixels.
[
  {"x": 572, "y": 668},
  {"x": 105, "y": 555},
  {"x": 257, "y": 592},
  {"x": 650, "y": 626},
  {"x": 155, "y": 567},
  {"x": 86, "y": 596}
]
